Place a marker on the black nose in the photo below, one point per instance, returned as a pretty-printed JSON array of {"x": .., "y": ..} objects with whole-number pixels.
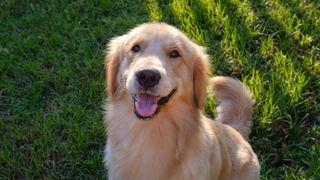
[{"x": 148, "y": 78}]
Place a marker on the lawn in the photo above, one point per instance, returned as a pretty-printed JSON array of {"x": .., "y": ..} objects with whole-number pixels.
[{"x": 52, "y": 78}]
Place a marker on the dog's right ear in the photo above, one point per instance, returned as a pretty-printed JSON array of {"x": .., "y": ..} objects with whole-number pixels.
[
  {"x": 112, "y": 63},
  {"x": 201, "y": 72}
]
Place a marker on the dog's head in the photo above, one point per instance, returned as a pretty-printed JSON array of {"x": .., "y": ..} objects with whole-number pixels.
[{"x": 156, "y": 63}]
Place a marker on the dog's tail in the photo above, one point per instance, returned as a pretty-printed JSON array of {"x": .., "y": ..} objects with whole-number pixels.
[{"x": 234, "y": 104}]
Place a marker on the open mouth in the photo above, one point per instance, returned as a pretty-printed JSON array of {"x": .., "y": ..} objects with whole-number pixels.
[{"x": 147, "y": 105}]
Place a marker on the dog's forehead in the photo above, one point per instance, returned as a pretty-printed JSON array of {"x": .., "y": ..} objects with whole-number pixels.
[
  {"x": 160, "y": 35},
  {"x": 157, "y": 30}
]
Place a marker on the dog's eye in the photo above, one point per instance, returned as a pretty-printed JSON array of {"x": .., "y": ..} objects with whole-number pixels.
[
  {"x": 174, "y": 54},
  {"x": 136, "y": 48}
]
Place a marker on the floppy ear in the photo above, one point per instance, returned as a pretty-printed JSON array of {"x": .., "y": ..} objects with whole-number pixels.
[
  {"x": 201, "y": 71},
  {"x": 112, "y": 63}
]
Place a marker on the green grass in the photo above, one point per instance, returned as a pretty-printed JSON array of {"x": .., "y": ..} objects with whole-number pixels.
[{"x": 52, "y": 78}]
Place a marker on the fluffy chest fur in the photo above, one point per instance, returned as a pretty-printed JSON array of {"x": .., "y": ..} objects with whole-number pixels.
[{"x": 165, "y": 148}]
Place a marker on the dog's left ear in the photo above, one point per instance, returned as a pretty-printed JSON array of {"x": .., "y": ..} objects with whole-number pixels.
[
  {"x": 201, "y": 72},
  {"x": 112, "y": 63}
]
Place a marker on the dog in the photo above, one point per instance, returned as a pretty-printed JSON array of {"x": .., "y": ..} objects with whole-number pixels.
[{"x": 157, "y": 82}]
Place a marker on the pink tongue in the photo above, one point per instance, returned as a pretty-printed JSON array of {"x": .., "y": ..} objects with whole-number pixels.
[{"x": 146, "y": 104}]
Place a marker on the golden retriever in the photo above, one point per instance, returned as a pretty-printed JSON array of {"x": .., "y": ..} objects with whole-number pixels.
[{"x": 157, "y": 82}]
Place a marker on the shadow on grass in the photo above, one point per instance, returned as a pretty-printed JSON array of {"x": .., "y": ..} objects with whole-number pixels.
[
  {"x": 247, "y": 47},
  {"x": 294, "y": 9},
  {"x": 293, "y": 114},
  {"x": 290, "y": 48}
]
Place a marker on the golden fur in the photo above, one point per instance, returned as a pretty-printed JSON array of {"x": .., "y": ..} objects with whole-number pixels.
[{"x": 180, "y": 142}]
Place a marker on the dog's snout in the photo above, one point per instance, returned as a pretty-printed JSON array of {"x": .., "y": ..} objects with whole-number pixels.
[{"x": 148, "y": 78}]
